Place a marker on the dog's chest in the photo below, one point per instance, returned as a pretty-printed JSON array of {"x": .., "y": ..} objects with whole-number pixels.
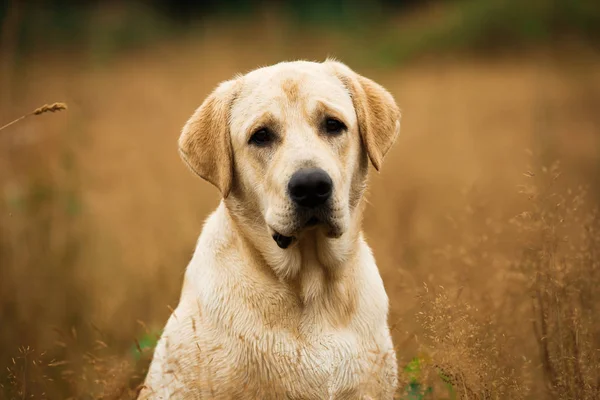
[{"x": 320, "y": 365}]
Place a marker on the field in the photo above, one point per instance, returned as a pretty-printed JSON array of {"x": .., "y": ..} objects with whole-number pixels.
[{"x": 483, "y": 219}]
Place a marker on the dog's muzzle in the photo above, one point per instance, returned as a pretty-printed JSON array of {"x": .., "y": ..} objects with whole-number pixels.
[{"x": 309, "y": 189}]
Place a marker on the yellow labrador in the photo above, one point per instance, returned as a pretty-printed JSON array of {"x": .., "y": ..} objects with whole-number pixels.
[{"x": 282, "y": 298}]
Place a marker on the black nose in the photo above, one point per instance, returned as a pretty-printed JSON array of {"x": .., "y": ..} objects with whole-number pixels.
[{"x": 310, "y": 187}]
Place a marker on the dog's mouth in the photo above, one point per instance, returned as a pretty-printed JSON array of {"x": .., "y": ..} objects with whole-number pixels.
[
  {"x": 284, "y": 241},
  {"x": 312, "y": 222}
]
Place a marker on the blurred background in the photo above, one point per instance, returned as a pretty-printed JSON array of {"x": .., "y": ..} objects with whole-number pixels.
[{"x": 482, "y": 220}]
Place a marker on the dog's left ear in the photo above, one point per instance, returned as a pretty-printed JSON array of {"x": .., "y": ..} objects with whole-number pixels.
[
  {"x": 205, "y": 143},
  {"x": 377, "y": 113}
]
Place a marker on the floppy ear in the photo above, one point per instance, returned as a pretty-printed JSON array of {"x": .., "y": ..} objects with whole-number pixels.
[
  {"x": 377, "y": 113},
  {"x": 205, "y": 143}
]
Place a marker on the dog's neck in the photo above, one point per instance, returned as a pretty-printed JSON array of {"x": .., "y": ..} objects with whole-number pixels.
[{"x": 314, "y": 266}]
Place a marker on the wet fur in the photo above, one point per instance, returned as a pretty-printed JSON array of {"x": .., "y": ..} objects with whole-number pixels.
[{"x": 257, "y": 321}]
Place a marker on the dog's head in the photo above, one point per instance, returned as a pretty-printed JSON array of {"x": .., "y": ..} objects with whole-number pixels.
[{"x": 290, "y": 143}]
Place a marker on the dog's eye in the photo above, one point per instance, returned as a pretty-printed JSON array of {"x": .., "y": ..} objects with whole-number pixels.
[
  {"x": 333, "y": 126},
  {"x": 261, "y": 137}
]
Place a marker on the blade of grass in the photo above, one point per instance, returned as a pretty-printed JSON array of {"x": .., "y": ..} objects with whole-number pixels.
[{"x": 38, "y": 111}]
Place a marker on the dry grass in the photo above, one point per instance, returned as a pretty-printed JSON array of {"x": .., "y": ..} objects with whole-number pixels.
[
  {"x": 98, "y": 217},
  {"x": 38, "y": 111},
  {"x": 467, "y": 351},
  {"x": 551, "y": 265},
  {"x": 563, "y": 262}
]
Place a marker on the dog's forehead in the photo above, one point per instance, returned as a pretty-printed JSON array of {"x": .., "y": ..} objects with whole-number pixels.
[
  {"x": 305, "y": 74},
  {"x": 286, "y": 86}
]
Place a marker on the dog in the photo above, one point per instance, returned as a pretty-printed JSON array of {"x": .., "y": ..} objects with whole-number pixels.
[{"x": 282, "y": 298}]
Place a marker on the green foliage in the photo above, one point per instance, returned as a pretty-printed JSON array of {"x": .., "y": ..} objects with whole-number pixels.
[
  {"x": 102, "y": 31},
  {"x": 369, "y": 33},
  {"x": 481, "y": 26},
  {"x": 417, "y": 390},
  {"x": 146, "y": 343}
]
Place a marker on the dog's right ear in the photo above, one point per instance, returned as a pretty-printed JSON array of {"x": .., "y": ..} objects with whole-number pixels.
[{"x": 205, "y": 143}]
